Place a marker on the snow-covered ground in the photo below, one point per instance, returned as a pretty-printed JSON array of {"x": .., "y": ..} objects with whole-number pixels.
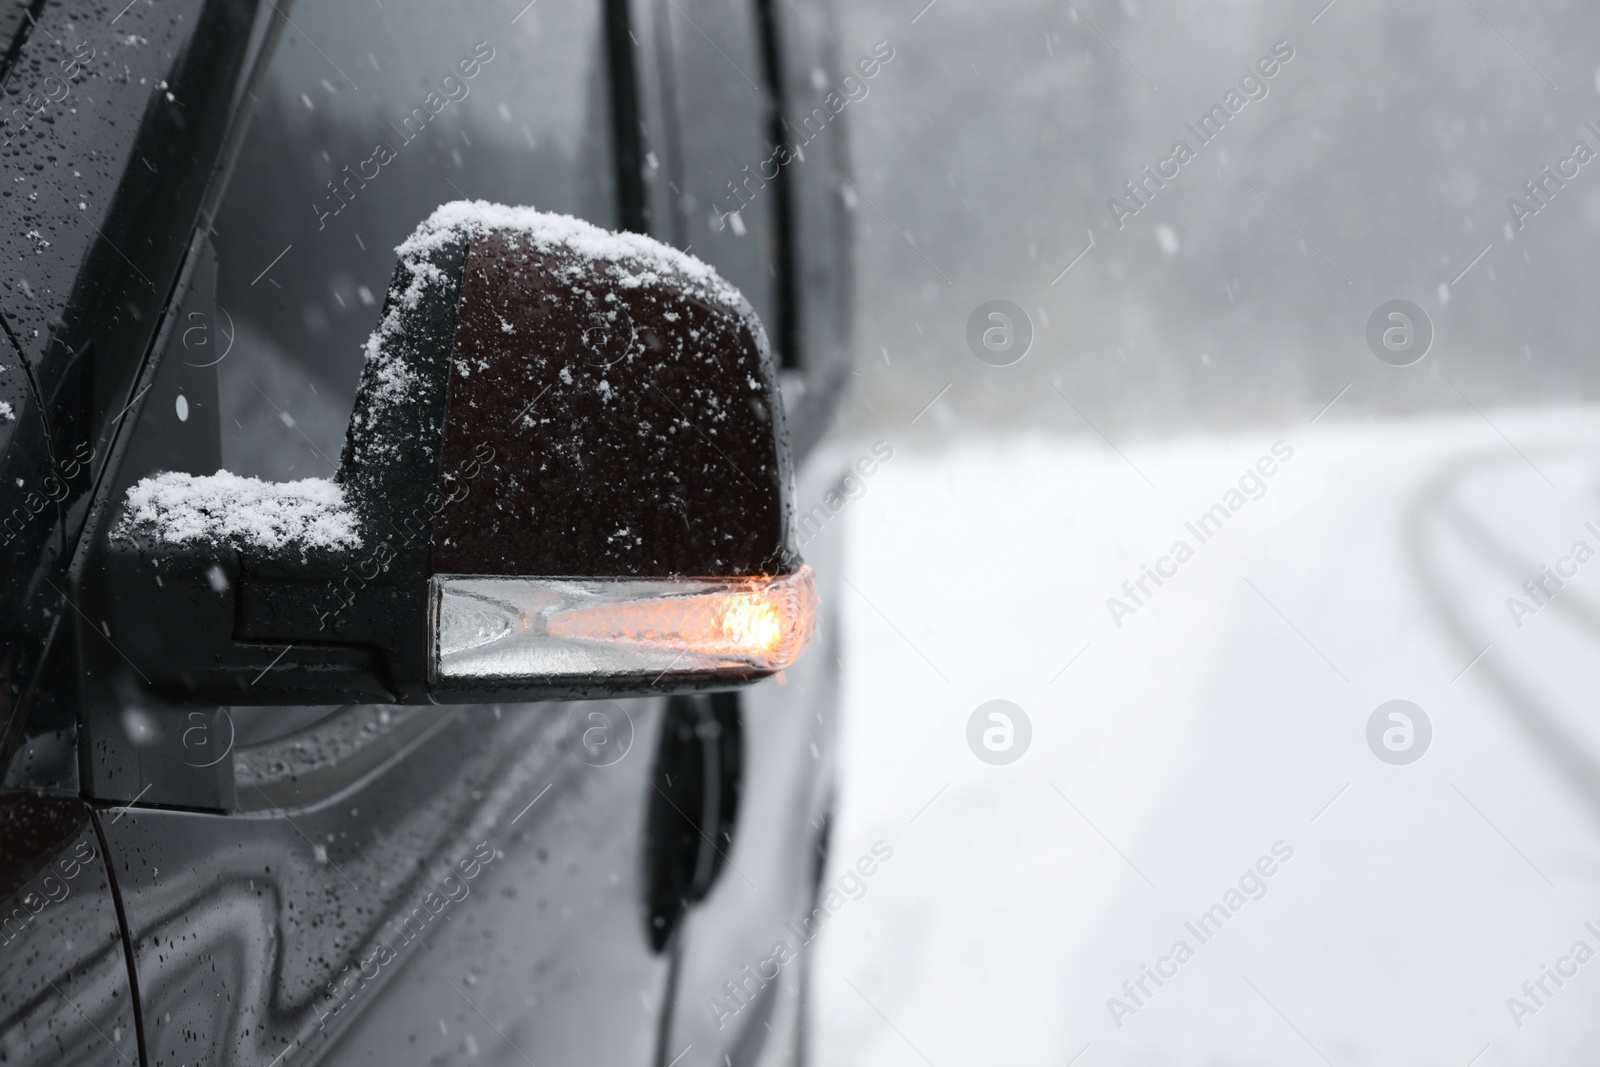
[{"x": 1226, "y": 717}]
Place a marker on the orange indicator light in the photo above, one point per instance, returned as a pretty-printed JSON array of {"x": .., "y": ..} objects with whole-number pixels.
[
  {"x": 764, "y": 621},
  {"x": 514, "y": 631}
]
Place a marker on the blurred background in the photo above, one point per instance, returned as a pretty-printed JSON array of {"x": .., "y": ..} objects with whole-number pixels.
[{"x": 1400, "y": 509}]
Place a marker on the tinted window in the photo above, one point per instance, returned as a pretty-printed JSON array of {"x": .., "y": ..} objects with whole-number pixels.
[
  {"x": 712, "y": 83},
  {"x": 368, "y": 118}
]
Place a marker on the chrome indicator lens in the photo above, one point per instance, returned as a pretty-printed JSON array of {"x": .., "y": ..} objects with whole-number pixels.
[{"x": 497, "y": 631}]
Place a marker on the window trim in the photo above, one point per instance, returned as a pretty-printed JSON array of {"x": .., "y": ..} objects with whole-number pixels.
[{"x": 626, "y": 133}]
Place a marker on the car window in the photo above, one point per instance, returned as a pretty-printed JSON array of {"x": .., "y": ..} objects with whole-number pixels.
[
  {"x": 719, "y": 160},
  {"x": 368, "y": 118}
]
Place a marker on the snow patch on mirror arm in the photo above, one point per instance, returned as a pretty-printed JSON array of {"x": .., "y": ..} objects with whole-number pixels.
[{"x": 224, "y": 508}]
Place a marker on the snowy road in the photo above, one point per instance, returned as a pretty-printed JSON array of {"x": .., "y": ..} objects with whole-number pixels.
[{"x": 1221, "y": 725}]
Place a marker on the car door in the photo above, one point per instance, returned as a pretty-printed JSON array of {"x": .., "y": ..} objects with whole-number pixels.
[
  {"x": 65, "y": 990},
  {"x": 86, "y": 261},
  {"x": 395, "y": 884}
]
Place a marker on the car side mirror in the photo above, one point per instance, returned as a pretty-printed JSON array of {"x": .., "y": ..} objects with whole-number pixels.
[{"x": 566, "y": 475}]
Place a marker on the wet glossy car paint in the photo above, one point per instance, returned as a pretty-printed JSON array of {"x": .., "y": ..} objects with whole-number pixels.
[
  {"x": 387, "y": 885},
  {"x": 65, "y": 996},
  {"x": 486, "y": 868}
]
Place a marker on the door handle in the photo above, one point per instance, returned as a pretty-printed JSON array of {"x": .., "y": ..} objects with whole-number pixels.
[{"x": 694, "y": 804}]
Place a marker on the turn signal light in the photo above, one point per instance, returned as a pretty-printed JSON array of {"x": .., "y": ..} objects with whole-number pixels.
[{"x": 531, "y": 631}]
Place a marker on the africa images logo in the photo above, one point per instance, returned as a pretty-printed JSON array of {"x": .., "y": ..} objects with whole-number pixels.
[
  {"x": 999, "y": 333},
  {"x": 999, "y": 732},
  {"x": 1399, "y": 732}
]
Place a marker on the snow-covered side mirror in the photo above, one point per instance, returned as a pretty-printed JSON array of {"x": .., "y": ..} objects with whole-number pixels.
[{"x": 566, "y": 475}]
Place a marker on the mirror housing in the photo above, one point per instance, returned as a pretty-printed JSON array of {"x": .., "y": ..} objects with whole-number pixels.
[{"x": 566, "y": 475}]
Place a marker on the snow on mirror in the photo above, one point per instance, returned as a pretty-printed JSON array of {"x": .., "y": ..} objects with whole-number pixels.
[{"x": 566, "y": 474}]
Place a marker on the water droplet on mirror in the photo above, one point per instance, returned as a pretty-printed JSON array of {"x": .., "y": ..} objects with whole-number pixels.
[{"x": 183, "y": 408}]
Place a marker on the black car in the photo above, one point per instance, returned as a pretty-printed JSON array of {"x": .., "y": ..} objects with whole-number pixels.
[{"x": 401, "y": 663}]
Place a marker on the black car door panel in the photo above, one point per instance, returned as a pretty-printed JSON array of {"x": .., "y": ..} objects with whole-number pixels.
[
  {"x": 65, "y": 993},
  {"x": 480, "y": 891}
]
